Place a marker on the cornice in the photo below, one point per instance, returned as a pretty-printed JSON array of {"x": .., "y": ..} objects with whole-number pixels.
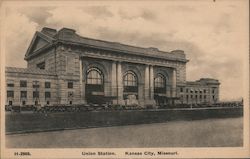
[
  {"x": 115, "y": 52},
  {"x": 183, "y": 60}
]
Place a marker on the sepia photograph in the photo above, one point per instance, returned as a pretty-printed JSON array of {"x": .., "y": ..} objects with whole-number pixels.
[{"x": 125, "y": 79}]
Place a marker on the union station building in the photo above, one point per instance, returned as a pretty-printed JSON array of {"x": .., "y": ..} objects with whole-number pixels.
[{"x": 66, "y": 68}]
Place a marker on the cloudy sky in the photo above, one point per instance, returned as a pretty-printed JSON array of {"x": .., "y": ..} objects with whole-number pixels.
[{"x": 214, "y": 35}]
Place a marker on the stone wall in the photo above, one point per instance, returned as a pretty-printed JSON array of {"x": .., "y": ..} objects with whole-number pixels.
[
  {"x": 198, "y": 93},
  {"x": 48, "y": 57},
  {"x": 181, "y": 73},
  {"x": 17, "y": 77},
  {"x": 68, "y": 70}
]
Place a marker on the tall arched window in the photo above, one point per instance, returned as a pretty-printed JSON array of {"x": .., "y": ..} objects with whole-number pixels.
[
  {"x": 160, "y": 84},
  {"x": 159, "y": 81},
  {"x": 130, "y": 79},
  {"x": 94, "y": 89},
  {"x": 94, "y": 76},
  {"x": 130, "y": 83}
]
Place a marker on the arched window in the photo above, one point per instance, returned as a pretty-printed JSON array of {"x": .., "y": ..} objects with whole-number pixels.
[
  {"x": 94, "y": 76},
  {"x": 160, "y": 81},
  {"x": 130, "y": 79},
  {"x": 94, "y": 88}
]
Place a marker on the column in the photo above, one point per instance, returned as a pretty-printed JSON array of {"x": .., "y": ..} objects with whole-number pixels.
[
  {"x": 146, "y": 87},
  {"x": 113, "y": 79},
  {"x": 82, "y": 85},
  {"x": 151, "y": 82},
  {"x": 174, "y": 83},
  {"x": 119, "y": 84}
]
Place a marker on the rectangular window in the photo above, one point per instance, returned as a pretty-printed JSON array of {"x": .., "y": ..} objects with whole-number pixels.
[
  {"x": 23, "y": 83},
  {"x": 204, "y": 91},
  {"x": 23, "y": 94},
  {"x": 47, "y": 94},
  {"x": 200, "y": 96},
  {"x": 187, "y": 90},
  {"x": 36, "y": 84},
  {"x": 23, "y": 102},
  {"x": 181, "y": 89},
  {"x": 10, "y": 94},
  {"x": 35, "y": 94},
  {"x": 47, "y": 84},
  {"x": 70, "y": 94},
  {"x": 10, "y": 83},
  {"x": 205, "y": 96},
  {"x": 70, "y": 84},
  {"x": 213, "y": 91},
  {"x": 41, "y": 65}
]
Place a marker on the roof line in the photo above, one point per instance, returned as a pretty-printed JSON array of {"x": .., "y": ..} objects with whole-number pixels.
[
  {"x": 121, "y": 44},
  {"x": 24, "y": 71},
  {"x": 118, "y": 50}
]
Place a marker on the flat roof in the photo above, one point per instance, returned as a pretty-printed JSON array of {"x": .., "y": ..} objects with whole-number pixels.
[{"x": 27, "y": 71}]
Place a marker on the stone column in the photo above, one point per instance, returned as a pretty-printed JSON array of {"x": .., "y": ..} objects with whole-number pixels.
[
  {"x": 151, "y": 82},
  {"x": 174, "y": 83},
  {"x": 113, "y": 81},
  {"x": 168, "y": 88},
  {"x": 146, "y": 87},
  {"x": 119, "y": 84},
  {"x": 82, "y": 85}
]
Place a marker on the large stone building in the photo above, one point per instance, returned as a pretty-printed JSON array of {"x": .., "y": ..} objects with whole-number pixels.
[{"x": 66, "y": 68}]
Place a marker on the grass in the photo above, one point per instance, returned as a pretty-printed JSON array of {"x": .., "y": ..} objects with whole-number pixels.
[{"x": 35, "y": 122}]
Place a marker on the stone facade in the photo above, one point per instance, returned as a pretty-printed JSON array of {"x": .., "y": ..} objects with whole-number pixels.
[
  {"x": 83, "y": 70},
  {"x": 203, "y": 91},
  {"x": 28, "y": 81}
]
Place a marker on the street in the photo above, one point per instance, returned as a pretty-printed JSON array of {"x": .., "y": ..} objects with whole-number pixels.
[{"x": 226, "y": 132}]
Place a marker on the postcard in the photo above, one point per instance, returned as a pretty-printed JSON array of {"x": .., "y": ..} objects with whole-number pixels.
[{"x": 124, "y": 79}]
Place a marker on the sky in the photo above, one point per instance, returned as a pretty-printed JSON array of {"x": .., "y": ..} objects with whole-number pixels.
[{"x": 214, "y": 35}]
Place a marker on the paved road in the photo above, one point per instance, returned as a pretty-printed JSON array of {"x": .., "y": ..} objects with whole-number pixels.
[{"x": 200, "y": 133}]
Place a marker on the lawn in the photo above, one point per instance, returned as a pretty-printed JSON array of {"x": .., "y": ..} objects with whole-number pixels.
[
  {"x": 224, "y": 132},
  {"x": 35, "y": 122}
]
